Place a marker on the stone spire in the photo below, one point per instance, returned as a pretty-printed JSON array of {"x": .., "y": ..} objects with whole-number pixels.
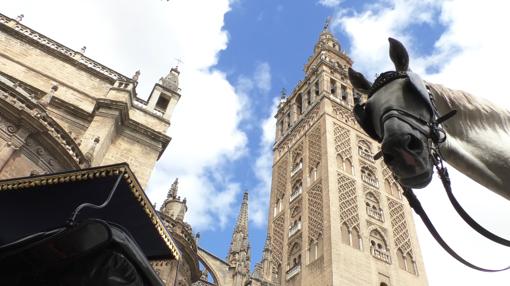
[
  {"x": 242, "y": 219},
  {"x": 239, "y": 253}
]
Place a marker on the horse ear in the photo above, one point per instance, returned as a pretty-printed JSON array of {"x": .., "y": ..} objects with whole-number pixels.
[
  {"x": 399, "y": 55},
  {"x": 358, "y": 81}
]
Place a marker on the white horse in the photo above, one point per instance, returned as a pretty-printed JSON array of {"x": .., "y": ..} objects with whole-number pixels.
[{"x": 398, "y": 110}]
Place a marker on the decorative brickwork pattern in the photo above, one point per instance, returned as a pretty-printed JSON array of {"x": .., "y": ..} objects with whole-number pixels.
[
  {"x": 315, "y": 212},
  {"x": 277, "y": 242},
  {"x": 342, "y": 141},
  {"x": 348, "y": 201},
  {"x": 298, "y": 131},
  {"x": 399, "y": 225},
  {"x": 343, "y": 114},
  {"x": 281, "y": 177},
  {"x": 314, "y": 146}
]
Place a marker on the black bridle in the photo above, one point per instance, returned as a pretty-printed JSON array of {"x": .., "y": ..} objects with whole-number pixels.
[{"x": 435, "y": 134}]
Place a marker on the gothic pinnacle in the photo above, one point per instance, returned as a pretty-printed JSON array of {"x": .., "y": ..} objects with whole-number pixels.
[
  {"x": 242, "y": 219},
  {"x": 172, "y": 193}
]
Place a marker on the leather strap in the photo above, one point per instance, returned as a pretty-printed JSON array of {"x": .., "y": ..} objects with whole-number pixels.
[
  {"x": 445, "y": 179},
  {"x": 416, "y": 205}
]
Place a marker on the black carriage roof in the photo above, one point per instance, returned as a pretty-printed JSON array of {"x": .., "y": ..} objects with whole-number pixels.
[{"x": 40, "y": 203}]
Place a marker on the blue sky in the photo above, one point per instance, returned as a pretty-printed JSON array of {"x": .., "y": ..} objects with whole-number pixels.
[{"x": 237, "y": 56}]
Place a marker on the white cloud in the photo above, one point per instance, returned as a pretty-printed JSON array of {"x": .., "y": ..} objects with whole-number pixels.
[
  {"x": 330, "y": 3},
  {"x": 471, "y": 54},
  {"x": 151, "y": 36},
  {"x": 263, "y": 169},
  {"x": 262, "y": 77}
]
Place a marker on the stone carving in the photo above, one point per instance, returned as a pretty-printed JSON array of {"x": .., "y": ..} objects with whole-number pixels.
[
  {"x": 277, "y": 242},
  {"x": 314, "y": 147},
  {"x": 342, "y": 141},
  {"x": 315, "y": 212},
  {"x": 343, "y": 114},
  {"x": 349, "y": 213},
  {"x": 281, "y": 177},
  {"x": 399, "y": 225}
]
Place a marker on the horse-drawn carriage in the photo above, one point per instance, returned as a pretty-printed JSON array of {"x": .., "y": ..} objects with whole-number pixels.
[{"x": 88, "y": 227}]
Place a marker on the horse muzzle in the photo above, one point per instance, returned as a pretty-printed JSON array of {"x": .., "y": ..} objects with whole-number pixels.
[{"x": 408, "y": 158}]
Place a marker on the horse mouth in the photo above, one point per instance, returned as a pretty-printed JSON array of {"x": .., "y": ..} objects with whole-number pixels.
[{"x": 418, "y": 181}]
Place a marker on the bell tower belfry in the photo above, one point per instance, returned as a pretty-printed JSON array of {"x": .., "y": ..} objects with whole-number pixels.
[{"x": 336, "y": 216}]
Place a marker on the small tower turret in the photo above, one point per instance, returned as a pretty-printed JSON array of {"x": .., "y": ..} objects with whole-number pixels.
[
  {"x": 173, "y": 206},
  {"x": 166, "y": 94}
]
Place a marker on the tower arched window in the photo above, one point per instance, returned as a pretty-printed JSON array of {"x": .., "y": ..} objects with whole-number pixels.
[
  {"x": 364, "y": 150},
  {"x": 297, "y": 189},
  {"x": 333, "y": 88},
  {"x": 299, "y": 103},
  {"x": 373, "y": 207},
  {"x": 378, "y": 246},
  {"x": 368, "y": 177},
  {"x": 356, "y": 241}
]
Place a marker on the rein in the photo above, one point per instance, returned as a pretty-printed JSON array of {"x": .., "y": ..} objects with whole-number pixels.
[{"x": 436, "y": 136}]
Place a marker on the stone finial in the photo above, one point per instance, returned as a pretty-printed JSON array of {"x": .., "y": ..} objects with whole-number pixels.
[
  {"x": 136, "y": 76},
  {"x": 83, "y": 49},
  {"x": 327, "y": 23},
  {"x": 171, "y": 81},
  {"x": 172, "y": 193},
  {"x": 90, "y": 153},
  {"x": 45, "y": 100},
  {"x": 283, "y": 94},
  {"x": 20, "y": 17}
]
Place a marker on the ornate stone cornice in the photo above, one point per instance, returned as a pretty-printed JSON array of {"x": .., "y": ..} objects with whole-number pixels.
[{"x": 19, "y": 30}]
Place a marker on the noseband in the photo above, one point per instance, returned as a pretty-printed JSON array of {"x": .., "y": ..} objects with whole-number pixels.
[{"x": 435, "y": 134}]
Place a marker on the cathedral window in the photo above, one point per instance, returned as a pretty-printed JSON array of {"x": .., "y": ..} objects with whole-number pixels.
[
  {"x": 378, "y": 246},
  {"x": 287, "y": 116},
  {"x": 316, "y": 87},
  {"x": 308, "y": 98}
]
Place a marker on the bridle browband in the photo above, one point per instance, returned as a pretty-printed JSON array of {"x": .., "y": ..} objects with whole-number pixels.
[{"x": 435, "y": 134}]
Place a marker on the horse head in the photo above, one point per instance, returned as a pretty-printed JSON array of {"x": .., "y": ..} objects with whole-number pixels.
[{"x": 398, "y": 113}]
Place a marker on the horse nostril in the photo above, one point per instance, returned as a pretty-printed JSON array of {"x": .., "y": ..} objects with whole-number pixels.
[{"x": 414, "y": 144}]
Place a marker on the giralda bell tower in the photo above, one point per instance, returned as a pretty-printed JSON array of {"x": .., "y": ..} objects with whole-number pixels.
[{"x": 337, "y": 217}]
